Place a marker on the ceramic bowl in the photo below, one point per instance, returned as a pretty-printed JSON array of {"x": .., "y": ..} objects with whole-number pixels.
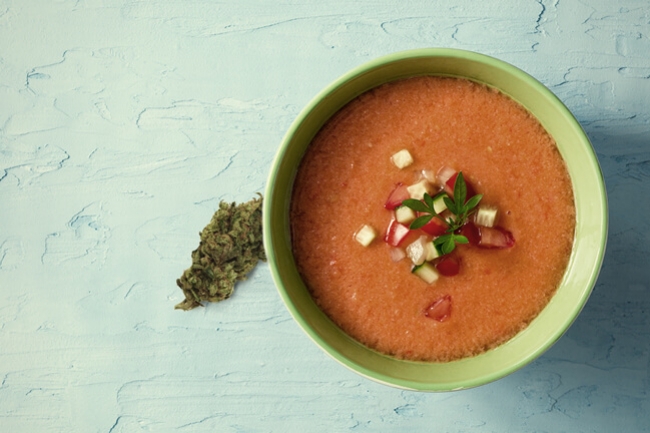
[{"x": 585, "y": 260}]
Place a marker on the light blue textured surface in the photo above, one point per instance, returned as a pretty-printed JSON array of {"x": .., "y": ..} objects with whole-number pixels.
[{"x": 124, "y": 123}]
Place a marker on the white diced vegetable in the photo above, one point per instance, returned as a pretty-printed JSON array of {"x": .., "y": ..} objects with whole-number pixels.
[
  {"x": 485, "y": 216},
  {"x": 365, "y": 235},
  {"x": 402, "y": 159},
  {"x": 396, "y": 254},
  {"x": 404, "y": 214},
  {"x": 427, "y": 272},
  {"x": 445, "y": 173},
  {"x": 417, "y": 190},
  {"x": 429, "y": 175},
  {"x": 417, "y": 250}
]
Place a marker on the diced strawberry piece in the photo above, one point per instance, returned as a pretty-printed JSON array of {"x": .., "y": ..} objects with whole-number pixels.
[
  {"x": 449, "y": 187},
  {"x": 471, "y": 232},
  {"x": 395, "y": 233},
  {"x": 397, "y": 196},
  {"x": 435, "y": 227},
  {"x": 495, "y": 237},
  {"x": 440, "y": 309},
  {"x": 448, "y": 266}
]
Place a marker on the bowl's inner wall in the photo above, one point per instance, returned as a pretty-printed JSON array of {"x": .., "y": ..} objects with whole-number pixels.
[{"x": 581, "y": 273}]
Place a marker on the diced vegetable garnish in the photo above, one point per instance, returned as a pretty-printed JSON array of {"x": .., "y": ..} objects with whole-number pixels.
[
  {"x": 439, "y": 203},
  {"x": 404, "y": 214},
  {"x": 435, "y": 227},
  {"x": 440, "y": 309},
  {"x": 448, "y": 266},
  {"x": 365, "y": 235},
  {"x": 429, "y": 175},
  {"x": 395, "y": 233},
  {"x": 449, "y": 186},
  {"x": 426, "y": 272},
  {"x": 417, "y": 250},
  {"x": 431, "y": 252},
  {"x": 470, "y": 231},
  {"x": 397, "y": 196},
  {"x": 449, "y": 218},
  {"x": 485, "y": 216},
  {"x": 417, "y": 190},
  {"x": 396, "y": 254},
  {"x": 444, "y": 174},
  {"x": 495, "y": 237},
  {"x": 402, "y": 159}
]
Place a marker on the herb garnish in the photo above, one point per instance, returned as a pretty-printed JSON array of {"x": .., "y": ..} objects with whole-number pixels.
[
  {"x": 231, "y": 245},
  {"x": 459, "y": 206}
]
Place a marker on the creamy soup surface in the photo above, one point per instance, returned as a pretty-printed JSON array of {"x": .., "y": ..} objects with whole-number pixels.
[{"x": 347, "y": 174}]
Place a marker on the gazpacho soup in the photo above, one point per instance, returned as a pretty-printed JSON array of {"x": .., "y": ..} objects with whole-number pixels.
[{"x": 432, "y": 218}]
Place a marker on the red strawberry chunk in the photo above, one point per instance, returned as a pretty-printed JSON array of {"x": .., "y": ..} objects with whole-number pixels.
[
  {"x": 440, "y": 309},
  {"x": 395, "y": 233},
  {"x": 471, "y": 232},
  {"x": 448, "y": 266},
  {"x": 397, "y": 196},
  {"x": 435, "y": 227},
  {"x": 495, "y": 237}
]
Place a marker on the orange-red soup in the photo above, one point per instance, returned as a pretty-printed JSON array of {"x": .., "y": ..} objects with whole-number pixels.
[{"x": 346, "y": 176}]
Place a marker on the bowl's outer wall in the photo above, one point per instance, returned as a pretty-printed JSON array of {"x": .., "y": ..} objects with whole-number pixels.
[{"x": 584, "y": 265}]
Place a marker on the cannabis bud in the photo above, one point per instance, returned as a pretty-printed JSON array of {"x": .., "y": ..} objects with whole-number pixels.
[{"x": 231, "y": 245}]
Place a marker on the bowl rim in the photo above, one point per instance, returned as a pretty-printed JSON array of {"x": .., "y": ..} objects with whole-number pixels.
[{"x": 272, "y": 201}]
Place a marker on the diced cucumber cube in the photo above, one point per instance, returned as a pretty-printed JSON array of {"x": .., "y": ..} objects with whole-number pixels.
[
  {"x": 365, "y": 235},
  {"x": 404, "y": 214},
  {"x": 417, "y": 190},
  {"x": 439, "y": 203},
  {"x": 485, "y": 216},
  {"x": 402, "y": 159},
  {"x": 426, "y": 272}
]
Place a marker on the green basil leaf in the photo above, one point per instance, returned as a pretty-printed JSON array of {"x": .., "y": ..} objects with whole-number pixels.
[
  {"x": 473, "y": 202},
  {"x": 429, "y": 201},
  {"x": 450, "y": 204},
  {"x": 449, "y": 245},
  {"x": 460, "y": 190},
  {"x": 416, "y": 205},
  {"x": 420, "y": 222},
  {"x": 441, "y": 240}
]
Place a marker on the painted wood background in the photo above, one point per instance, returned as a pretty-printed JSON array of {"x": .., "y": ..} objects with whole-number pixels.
[{"x": 123, "y": 123}]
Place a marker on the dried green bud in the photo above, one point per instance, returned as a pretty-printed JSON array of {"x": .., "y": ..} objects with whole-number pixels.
[{"x": 231, "y": 245}]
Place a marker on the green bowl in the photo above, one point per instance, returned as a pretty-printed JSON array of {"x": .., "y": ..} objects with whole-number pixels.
[{"x": 584, "y": 264}]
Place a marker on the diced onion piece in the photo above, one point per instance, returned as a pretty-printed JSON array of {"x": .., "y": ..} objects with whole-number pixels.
[
  {"x": 404, "y": 214},
  {"x": 431, "y": 252},
  {"x": 365, "y": 235},
  {"x": 485, "y": 216},
  {"x": 402, "y": 159},
  {"x": 444, "y": 174},
  {"x": 417, "y": 250},
  {"x": 429, "y": 175},
  {"x": 426, "y": 272},
  {"x": 418, "y": 189},
  {"x": 396, "y": 254}
]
